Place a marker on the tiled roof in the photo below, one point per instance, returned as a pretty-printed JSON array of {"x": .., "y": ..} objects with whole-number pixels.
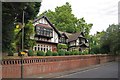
[{"x": 73, "y": 36}]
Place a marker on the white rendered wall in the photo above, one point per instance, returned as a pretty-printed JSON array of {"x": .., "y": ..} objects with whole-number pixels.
[{"x": 55, "y": 37}]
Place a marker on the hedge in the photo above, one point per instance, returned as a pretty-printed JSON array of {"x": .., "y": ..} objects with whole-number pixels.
[
  {"x": 40, "y": 53},
  {"x": 30, "y": 53},
  {"x": 48, "y": 53},
  {"x": 61, "y": 52},
  {"x": 55, "y": 53}
]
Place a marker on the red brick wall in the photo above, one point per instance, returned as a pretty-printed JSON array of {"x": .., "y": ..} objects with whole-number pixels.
[{"x": 34, "y": 66}]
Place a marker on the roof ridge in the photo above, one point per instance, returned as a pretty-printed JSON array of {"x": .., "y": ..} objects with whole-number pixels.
[{"x": 74, "y": 36}]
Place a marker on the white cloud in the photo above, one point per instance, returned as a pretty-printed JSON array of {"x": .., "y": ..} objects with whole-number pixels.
[{"x": 99, "y": 12}]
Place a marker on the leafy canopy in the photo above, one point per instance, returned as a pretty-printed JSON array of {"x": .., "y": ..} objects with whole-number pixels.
[
  {"x": 12, "y": 13},
  {"x": 64, "y": 20},
  {"x": 110, "y": 41}
]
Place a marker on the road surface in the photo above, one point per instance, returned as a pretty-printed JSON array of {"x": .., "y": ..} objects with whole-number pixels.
[{"x": 108, "y": 70}]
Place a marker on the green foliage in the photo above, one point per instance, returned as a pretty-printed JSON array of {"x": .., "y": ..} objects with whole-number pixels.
[
  {"x": 10, "y": 53},
  {"x": 55, "y": 53},
  {"x": 85, "y": 52},
  {"x": 40, "y": 53},
  {"x": 80, "y": 53},
  {"x": 71, "y": 53},
  {"x": 64, "y": 20},
  {"x": 75, "y": 52},
  {"x": 29, "y": 31},
  {"x": 12, "y": 13},
  {"x": 62, "y": 46},
  {"x": 61, "y": 52},
  {"x": 95, "y": 50},
  {"x": 94, "y": 42},
  {"x": 48, "y": 53},
  {"x": 8, "y": 37},
  {"x": 110, "y": 41},
  {"x": 105, "y": 48},
  {"x": 67, "y": 52},
  {"x": 30, "y": 53}
]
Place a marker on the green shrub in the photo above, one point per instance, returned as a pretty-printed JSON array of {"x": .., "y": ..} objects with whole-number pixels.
[
  {"x": 67, "y": 52},
  {"x": 80, "y": 53},
  {"x": 61, "y": 52},
  {"x": 10, "y": 53},
  {"x": 71, "y": 53},
  {"x": 30, "y": 53},
  {"x": 48, "y": 53},
  {"x": 40, "y": 53},
  {"x": 55, "y": 54},
  {"x": 84, "y": 52},
  {"x": 95, "y": 50},
  {"x": 62, "y": 46},
  {"x": 91, "y": 52},
  {"x": 75, "y": 52}
]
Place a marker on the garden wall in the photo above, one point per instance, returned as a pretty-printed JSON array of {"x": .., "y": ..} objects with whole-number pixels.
[{"x": 11, "y": 68}]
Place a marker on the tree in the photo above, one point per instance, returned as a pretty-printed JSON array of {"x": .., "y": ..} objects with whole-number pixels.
[
  {"x": 110, "y": 40},
  {"x": 11, "y": 14},
  {"x": 94, "y": 42},
  {"x": 28, "y": 33},
  {"x": 62, "y": 46},
  {"x": 64, "y": 20}
]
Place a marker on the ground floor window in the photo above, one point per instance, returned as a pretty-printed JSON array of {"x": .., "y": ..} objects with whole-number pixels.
[{"x": 42, "y": 47}]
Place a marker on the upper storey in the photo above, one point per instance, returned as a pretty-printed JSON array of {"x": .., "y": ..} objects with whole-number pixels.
[{"x": 45, "y": 29}]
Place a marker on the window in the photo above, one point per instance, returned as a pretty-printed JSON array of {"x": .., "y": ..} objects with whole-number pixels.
[
  {"x": 41, "y": 48},
  {"x": 41, "y": 32},
  {"x": 44, "y": 49},
  {"x": 38, "y": 49},
  {"x": 35, "y": 48},
  {"x": 51, "y": 33},
  {"x": 44, "y": 31},
  {"x": 47, "y": 32},
  {"x": 62, "y": 40}
]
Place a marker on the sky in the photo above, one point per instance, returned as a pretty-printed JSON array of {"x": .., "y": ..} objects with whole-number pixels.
[{"x": 101, "y": 13}]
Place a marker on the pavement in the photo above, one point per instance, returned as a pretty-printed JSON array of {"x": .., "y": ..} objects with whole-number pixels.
[{"x": 105, "y": 70}]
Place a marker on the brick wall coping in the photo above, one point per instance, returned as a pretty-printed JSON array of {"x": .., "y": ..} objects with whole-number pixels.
[
  {"x": 36, "y": 59},
  {"x": 27, "y": 57}
]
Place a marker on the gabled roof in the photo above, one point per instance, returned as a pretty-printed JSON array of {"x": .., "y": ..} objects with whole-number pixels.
[
  {"x": 84, "y": 45},
  {"x": 75, "y": 36},
  {"x": 48, "y": 22},
  {"x": 64, "y": 33}
]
